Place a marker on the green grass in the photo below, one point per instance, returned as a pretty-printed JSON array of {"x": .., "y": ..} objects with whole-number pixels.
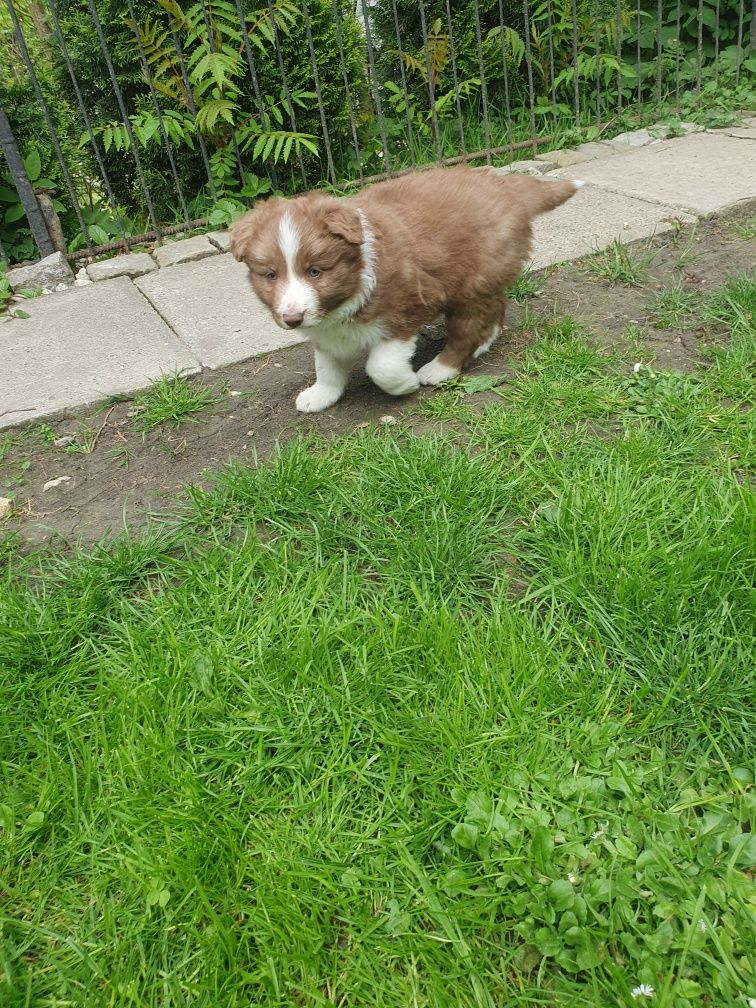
[
  {"x": 746, "y": 230},
  {"x": 618, "y": 264},
  {"x": 173, "y": 400},
  {"x": 5, "y": 288},
  {"x": 676, "y": 309},
  {"x": 526, "y": 286},
  {"x": 460, "y": 719}
]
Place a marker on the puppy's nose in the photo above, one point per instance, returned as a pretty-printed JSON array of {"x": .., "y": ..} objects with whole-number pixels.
[{"x": 293, "y": 319}]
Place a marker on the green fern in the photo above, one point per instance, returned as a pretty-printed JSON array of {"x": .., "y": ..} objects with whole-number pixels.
[{"x": 213, "y": 41}]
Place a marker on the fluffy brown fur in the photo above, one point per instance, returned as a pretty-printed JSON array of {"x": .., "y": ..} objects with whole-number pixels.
[{"x": 446, "y": 242}]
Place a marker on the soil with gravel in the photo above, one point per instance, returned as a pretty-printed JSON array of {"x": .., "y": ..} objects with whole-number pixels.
[{"x": 126, "y": 476}]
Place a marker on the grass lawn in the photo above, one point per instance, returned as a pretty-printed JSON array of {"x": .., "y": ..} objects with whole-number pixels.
[{"x": 455, "y": 719}]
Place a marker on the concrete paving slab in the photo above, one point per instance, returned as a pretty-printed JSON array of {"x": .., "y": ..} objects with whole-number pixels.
[
  {"x": 701, "y": 173},
  {"x": 221, "y": 239},
  {"x": 186, "y": 250},
  {"x": 564, "y": 158},
  {"x": 133, "y": 265},
  {"x": 48, "y": 272},
  {"x": 591, "y": 221},
  {"x": 595, "y": 150},
  {"x": 741, "y": 132},
  {"x": 210, "y": 305},
  {"x": 83, "y": 345}
]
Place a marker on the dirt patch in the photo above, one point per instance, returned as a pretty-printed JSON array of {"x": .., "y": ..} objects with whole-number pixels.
[{"x": 116, "y": 475}]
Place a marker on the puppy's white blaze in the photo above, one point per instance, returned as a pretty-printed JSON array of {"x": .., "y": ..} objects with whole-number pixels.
[{"x": 298, "y": 297}]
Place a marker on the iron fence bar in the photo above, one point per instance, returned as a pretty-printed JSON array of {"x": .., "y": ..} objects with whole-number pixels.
[
  {"x": 752, "y": 36},
  {"x": 431, "y": 85},
  {"x": 478, "y": 155},
  {"x": 24, "y": 188},
  {"x": 455, "y": 75},
  {"x": 658, "y": 51},
  {"x": 286, "y": 91},
  {"x": 87, "y": 122},
  {"x": 597, "y": 46},
  {"x": 148, "y": 78},
  {"x": 716, "y": 42},
  {"x": 576, "y": 80},
  {"x": 618, "y": 52},
  {"x": 19, "y": 35},
  {"x": 741, "y": 16},
  {"x": 213, "y": 49},
  {"x": 3, "y": 256},
  {"x": 678, "y": 49},
  {"x": 318, "y": 92},
  {"x": 482, "y": 72},
  {"x": 638, "y": 96},
  {"x": 552, "y": 75},
  {"x": 374, "y": 87},
  {"x": 505, "y": 70},
  {"x": 529, "y": 64},
  {"x": 699, "y": 46},
  {"x": 255, "y": 81},
  {"x": 147, "y": 236},
  {"x": 193, "y": 109},
  {"x": 124, "y": 115},
  {"x": 403, "y": 78},
  {"x": 347, "y": 89}
]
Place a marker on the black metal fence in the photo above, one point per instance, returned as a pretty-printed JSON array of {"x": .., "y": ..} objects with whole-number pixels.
[{"x": 125, "y": 123}]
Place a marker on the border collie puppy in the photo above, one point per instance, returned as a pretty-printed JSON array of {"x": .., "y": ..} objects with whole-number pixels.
[{"x": 363, "y": 274}]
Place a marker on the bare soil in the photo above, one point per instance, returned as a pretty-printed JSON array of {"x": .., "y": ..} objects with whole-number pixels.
[{"x": 126, "y": 475}]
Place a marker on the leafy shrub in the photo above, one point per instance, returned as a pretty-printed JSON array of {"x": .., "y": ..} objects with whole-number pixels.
[
  {"x": 677, "y": 40},
  {"x": 221, "y": 89}
]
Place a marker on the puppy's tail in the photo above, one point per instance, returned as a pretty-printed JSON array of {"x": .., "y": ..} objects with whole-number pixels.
[{"x": 539, "y": 195}]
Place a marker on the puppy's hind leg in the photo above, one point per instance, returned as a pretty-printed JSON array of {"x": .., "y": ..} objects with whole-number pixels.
[{"x": 470, "y": 333}]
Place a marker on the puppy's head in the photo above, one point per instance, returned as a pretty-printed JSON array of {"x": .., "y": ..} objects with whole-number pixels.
[{"x": 304, "y": 256}]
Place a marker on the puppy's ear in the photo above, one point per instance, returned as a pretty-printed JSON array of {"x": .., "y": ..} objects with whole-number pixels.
[
  {"x": 244, "y": 231},
  {"x": 344, "y": 222},
  {"x": 243, "y": 234}
]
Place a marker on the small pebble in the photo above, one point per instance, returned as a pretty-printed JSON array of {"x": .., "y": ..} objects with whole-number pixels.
[
  {"x": 636, "y": 367},
  {"x": 60, "y": 288},
  {"x": 62, "y": 442},
  {"x": 233, "y": 392},
  {"x": 51, "y": 484},
  {"x": 388, "y": 419},
  {"x": 5, "y": 505}
]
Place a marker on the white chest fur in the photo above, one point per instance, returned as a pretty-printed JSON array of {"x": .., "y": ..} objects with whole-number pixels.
[{"x": 347, "y": 339}]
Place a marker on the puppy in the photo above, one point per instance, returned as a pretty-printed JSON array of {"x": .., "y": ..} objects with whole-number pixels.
[{"x": 363, "y": 274}]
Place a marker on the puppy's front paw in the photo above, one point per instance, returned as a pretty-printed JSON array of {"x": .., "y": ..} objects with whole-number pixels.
[
  {"x": 316, "y": 398},
  {"x": 435, "y": 372}
]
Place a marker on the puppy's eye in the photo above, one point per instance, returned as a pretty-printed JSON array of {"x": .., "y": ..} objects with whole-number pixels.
[
  {"x": 271, "y": 275},
  {"x": 313, "y": 272}
]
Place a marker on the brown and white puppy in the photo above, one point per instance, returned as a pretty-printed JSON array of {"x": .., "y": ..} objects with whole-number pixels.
[{"x": 365, "y": 273}]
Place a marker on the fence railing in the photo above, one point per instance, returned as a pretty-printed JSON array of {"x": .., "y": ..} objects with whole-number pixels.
[{"x": 127, "y": 123}]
